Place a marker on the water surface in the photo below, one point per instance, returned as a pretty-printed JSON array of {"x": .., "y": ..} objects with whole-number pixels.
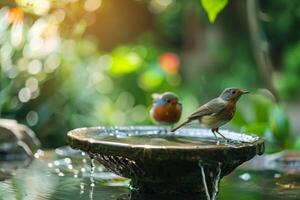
[
  {"x": 160, "y": 137},
  {"x": 66, "y": 175}
]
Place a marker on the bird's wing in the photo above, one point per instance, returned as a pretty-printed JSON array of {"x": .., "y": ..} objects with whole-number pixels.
[{"x": 212, "y": 107}]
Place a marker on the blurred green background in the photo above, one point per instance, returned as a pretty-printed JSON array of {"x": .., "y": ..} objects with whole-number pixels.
[{"x": 73, "y": 63}]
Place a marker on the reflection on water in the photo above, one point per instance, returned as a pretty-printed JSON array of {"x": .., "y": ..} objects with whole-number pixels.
[
  {"x": 260, "y": 185},
  {"x": 58, "y": 176},
  {"x": 55, "y": 177}
]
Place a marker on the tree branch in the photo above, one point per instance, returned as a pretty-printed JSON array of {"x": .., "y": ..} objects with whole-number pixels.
[{"x": 260, "y": 47}]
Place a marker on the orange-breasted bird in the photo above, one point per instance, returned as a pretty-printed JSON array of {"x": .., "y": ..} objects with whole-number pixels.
[
  {"x": 166, "y": 108},
  {"x": 216, "y": 112}
]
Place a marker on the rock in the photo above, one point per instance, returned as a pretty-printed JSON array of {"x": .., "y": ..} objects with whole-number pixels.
[{"x": 17, "y": 141}]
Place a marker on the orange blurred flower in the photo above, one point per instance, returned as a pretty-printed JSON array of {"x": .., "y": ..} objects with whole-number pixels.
[
  {"x": 15, "y": 15},
  {"x": 169, "y": 62}
]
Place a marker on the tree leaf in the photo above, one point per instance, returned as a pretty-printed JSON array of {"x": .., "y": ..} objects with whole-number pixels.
[{"x": 213, "y": 7}]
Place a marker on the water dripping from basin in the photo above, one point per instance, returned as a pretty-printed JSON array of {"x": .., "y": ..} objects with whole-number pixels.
[
  {"x": 92, "y": 184},
  {"x": 211, "y": 176}
]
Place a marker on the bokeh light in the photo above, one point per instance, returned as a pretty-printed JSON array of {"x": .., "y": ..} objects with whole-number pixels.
[
  {"x": 151, "y": 79},
  {"x": 35, "y": 67},
  {"x": 92, "y": 5},
  {"x": 32, "y": 83},
  {"x": 32, "y": 118},
  {"x": 169, "y": 62},
  {"x": 125, "y": 63},
  {"x": 158, "y": 6},
  {"x": 24, "y": 95}
]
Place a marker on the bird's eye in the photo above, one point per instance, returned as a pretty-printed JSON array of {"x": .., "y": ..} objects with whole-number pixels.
[
  {"x": 233, "y": 92},
  {"x": 168, "y": 101}
]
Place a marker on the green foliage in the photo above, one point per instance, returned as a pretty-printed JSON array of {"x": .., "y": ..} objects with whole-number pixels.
[
  {"x": 279, "y": 22},
  {"x": 288, "y": 82},
  {"x": 279, "y": 124},
  {"x": 267, "y": 119},
  {"x": 297, "y": 143},
  {"x": 259, "y": 128},
  {"x": 213, "y": 8}
]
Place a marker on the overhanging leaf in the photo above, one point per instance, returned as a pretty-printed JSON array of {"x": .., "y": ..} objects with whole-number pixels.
[{"x": 213, "y": 7}]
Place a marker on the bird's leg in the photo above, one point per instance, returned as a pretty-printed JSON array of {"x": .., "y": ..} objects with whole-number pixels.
[
  {"x": 213, "y": 131},
  {"x": 217, "y": 130}
]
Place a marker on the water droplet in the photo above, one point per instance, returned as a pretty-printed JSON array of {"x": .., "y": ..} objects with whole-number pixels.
[
  {"x": 81, "y": 188},
  {"x": 39, "y": 153},
  {"x": 56, "y": 163},
  {"x": 277, "y": 175},
  {"x": 61, "y": 174},
  {"x": 68, "y": 160},
  {"x": 70, "y": 166},
  {"x": 92, "y": 178},
  {"x": 245, "y": 177},
  {"x": 92, "y": 173}
]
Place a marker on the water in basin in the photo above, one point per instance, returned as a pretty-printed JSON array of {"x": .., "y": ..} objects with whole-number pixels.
[{"x": 161, "y": 137}]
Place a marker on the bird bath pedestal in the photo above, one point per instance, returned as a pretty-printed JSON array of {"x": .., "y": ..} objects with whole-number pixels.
[{"x": 160, "y": 164}]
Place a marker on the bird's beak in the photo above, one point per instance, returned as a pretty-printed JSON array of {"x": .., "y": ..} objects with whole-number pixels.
[
  {"x": 174, "y": 102},
  {"x": 245, "y": 92}
]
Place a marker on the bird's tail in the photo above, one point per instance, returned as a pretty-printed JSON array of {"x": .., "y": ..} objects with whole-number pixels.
[{"x": 180, "y": 125}]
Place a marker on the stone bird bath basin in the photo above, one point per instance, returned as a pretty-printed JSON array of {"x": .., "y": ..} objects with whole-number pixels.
[{"x": 189, "y": 163}]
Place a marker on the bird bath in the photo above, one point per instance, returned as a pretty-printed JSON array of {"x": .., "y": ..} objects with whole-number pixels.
[{"x": 189, "y": 163}]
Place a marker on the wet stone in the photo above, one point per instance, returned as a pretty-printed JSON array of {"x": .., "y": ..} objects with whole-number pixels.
[
  {"x": 18, "y": 146},
  {"x": 16, "y": 139}
]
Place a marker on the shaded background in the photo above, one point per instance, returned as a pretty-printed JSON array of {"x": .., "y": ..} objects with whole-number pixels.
[{"x": 73, "y": 63}]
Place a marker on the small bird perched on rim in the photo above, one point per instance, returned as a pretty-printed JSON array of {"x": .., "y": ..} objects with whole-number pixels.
[
  {"x": 166, "y": 108},
  {"x": 216, "y": 112}
]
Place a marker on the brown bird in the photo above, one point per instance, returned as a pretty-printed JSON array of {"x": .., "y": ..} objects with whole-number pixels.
[
  {"x": 166, "y": 108},
  {"x": 216, "y": 112}
]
